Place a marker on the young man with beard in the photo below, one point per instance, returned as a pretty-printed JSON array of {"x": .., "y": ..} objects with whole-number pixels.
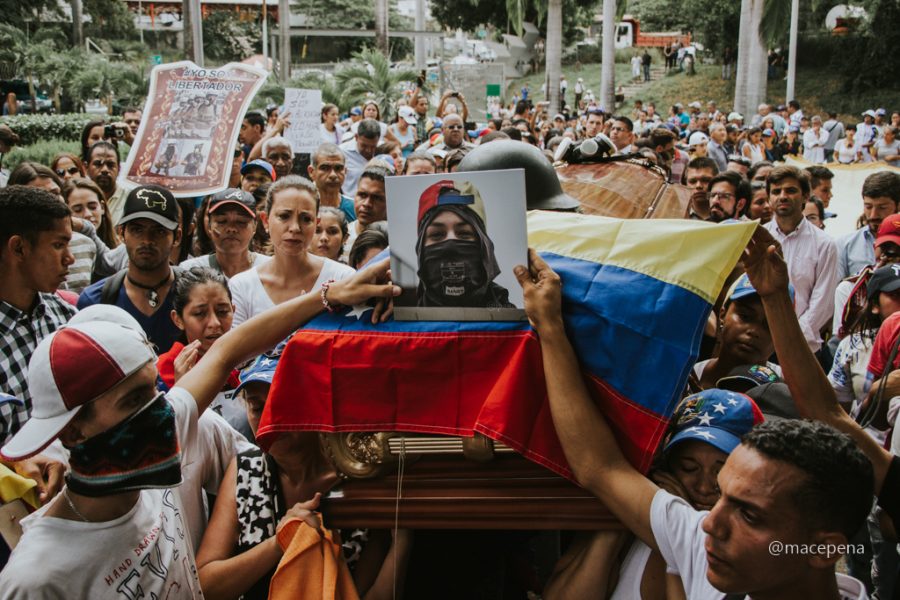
[
  {"x": 370, "y": 204},
  {"x": 118, "y": 529},
  {"x": 810, "y": 253},
  {"x": 103, "y": 169},
  {"x": 698, "y": 175},
  {"x": 788, "y": 484},
  {"x": 729, "y": 195},
  {"x": 881, "y": 197},
  {"x": 149, "y": 230}
]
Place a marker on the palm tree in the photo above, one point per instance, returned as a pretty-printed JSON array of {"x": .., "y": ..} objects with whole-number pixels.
[
  {"x": 750, "y": 79},
  {"x": 28, "y": 55},
  {"x": 370, "y": 76},
  {"x": 608, "y": 65}
]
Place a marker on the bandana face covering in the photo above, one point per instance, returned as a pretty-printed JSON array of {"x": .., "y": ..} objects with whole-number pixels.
[
  {"x": 453, "y": 273},
  {"x": 141, "y": 452}
]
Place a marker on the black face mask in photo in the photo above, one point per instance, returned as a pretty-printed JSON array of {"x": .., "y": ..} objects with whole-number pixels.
[{"x": 453, "y": 273}]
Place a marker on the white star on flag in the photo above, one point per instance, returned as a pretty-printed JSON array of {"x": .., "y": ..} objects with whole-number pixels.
[
  {"x": 732, "y": 402},
  {"x": 719, "y": 407},
  {"x": 265, "y": 362},
  {"x": 705, "y": 419},
  {"x": 359, "y": 310}
]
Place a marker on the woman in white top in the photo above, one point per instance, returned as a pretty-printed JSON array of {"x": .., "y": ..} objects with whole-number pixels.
[
  {"x": 332, "y": 133},
  {"x": 888, "y": 147},
  {"x": 753, "y": 149},
  {"x": 846, "y": 151},
  {"x": 290, "y": 217}
]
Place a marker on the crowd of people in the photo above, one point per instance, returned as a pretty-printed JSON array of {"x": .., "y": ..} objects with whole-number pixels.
[{"x": 141, "y": 333}]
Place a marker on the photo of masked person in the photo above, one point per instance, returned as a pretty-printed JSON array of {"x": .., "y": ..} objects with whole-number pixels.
[
  {"x": 457, "y": 266},
  {"x": 449, "y": 265}
]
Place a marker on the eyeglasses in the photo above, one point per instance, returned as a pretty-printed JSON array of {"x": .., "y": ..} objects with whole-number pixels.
[
  {"x": 721, "y": 196},
  {"x": 70, "y": 171},
  {"x": 452, "y": 127},
  {"x": 109, "y": 164}
]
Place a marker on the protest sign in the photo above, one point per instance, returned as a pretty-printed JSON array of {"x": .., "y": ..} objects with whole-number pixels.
[
  {"x": 304, "y": 108},
  {"x": 188, "y": 135}
]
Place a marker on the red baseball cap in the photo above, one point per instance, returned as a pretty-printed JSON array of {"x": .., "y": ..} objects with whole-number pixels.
[{"x": 889, "y": 231}]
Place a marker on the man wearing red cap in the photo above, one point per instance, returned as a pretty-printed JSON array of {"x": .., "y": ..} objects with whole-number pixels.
[{"x": 457, "y": 265}]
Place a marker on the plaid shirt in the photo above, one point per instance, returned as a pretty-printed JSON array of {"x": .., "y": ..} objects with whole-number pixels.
[{"x": 20, "y": 333}]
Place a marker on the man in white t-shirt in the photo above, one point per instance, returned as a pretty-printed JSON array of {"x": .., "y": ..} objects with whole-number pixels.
[
  {"x": 793, "y": 493},
  {"x": 118, "y": 529}
]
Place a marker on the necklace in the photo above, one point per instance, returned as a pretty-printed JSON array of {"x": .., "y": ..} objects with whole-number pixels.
[
  {"x": 72, "y": 506},
  {"x": 152, "y": 294}
]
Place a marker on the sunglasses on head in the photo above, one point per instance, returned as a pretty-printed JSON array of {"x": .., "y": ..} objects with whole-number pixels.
[{"x": 70, "y": 171}]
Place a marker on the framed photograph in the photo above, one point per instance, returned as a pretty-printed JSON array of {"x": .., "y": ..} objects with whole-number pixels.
[{"x": 455, "y": 239}]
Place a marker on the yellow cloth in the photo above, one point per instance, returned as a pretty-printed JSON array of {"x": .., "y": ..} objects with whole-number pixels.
[
  {"x": 312, "y": 566},
  {"x": 15, "y": 487}
]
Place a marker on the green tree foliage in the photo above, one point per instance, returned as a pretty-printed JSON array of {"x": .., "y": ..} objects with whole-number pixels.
[
  {"x": 227, "y": 38},
  {"x": 24, "y": 15},
  {"x": 868, "y": 59},
  {"x": 713, "y": 23},
  {"x": 507, "y": 15},
  {"x": 110, "y": 19},
  {"x": 349, "y": 14},
  {"x": 272, "y": 91}
]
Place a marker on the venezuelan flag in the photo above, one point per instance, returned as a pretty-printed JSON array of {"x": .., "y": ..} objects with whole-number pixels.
[{"x": 636, "y": 295}]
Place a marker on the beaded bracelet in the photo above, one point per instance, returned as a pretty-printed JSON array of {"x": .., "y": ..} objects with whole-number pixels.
[{"x": 323, "y": 293}]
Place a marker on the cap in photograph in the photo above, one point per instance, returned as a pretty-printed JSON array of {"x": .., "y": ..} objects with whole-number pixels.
[
  {"x": 151, "y": 202},
  {"x": 68, "y": 369},
  {"x": 235, "y": 198}
]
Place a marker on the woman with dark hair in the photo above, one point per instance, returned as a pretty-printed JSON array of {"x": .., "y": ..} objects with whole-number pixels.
[
  {"x": 331, "y": 233},
  {"x": 86, "y": 201},
  {"x": 331, "y": 132},
  {"x": 91, "y": 133},
  {"x": 67, "y": 166},
  {"x": 754, "y": 150},
  {"x": 181, "y": 251},
  {"x": 290, "y": 217},
  {"x": 202, "y": 310},
  {"x": 229, "y": 222},
  {"x": 814, "y": 212},
  {"x": 367, "y": 246}
]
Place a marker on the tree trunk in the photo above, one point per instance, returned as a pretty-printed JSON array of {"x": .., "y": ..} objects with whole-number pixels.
[
  {"x": 608, "y": 66},
  {"x": 381, "y": 27},
  {"x": 792, "y": 51},
  {"x": 77, "y": 24},
  {"x": 743, "y": 59},
  {"x": 284, "y": 33},
  {"x": 554, "y": 54},
  {"x": 186, "y": 31},
  {"x": 758, "y": 73}
]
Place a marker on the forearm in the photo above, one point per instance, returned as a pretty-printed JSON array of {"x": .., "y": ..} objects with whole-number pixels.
[
  {"x": 247, "y": 340},
  {"x": 231, "y": 577},
  {"x": 392, "y": 573},
  {"x": 810, "y": 389}
]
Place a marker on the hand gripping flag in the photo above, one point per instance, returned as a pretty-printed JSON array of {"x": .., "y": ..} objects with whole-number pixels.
[{"x": 636, "y": 296}]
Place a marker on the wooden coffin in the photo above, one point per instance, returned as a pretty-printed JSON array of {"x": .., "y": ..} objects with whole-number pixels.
[
  {"x": 440, "y": 488},
  {"x": 626, "y": 190}
]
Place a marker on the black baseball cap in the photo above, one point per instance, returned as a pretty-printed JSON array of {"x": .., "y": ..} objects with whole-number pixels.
[
  {"x": 233, "y": 197},
  {"x": 151, "y": 202},
  {"x": 883, "y": 279}
]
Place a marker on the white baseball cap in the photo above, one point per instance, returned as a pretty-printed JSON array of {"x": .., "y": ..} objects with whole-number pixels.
[
  {"x": 408, "y": 114},
  {"x": 68, "y": 369},
  {"x": 697, "y": 138}
]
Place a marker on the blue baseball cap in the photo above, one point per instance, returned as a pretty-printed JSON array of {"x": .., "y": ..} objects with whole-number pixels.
[
  {"x": 259, "y": 164},
  {"x": 262, "y": 370},
  {"x": 718, "y": 417},
  {"x": 742, "y": 288},
  {"x": 356, "y": 111}
]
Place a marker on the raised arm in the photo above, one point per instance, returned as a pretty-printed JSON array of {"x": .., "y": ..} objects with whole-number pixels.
[
  {"x": 586, "y": 438},
  {"x": 810, "y": 389},
  {"x": 264, "y": 331}
]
